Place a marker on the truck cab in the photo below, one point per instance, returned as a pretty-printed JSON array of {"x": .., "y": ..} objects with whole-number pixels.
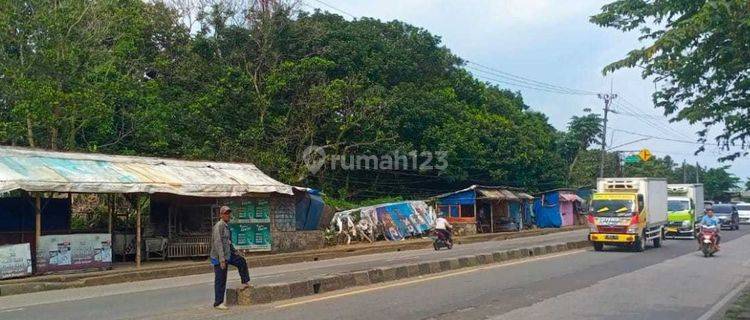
[
  {"x": 627, "y": 212},
  {"x": 685, "y": 205}
]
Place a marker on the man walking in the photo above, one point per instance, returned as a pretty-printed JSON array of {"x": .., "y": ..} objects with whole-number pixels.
[{"x": 222, "y": 254}]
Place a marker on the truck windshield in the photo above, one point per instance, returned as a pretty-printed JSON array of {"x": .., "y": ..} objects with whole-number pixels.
[
  {"x": 743, "y": 207},
  {"x": 678, "y": 205},
  {"x": 612, "y": 208}
]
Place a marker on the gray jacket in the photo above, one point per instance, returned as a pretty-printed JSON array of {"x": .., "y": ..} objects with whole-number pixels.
[{"x": 221, "y": 242}]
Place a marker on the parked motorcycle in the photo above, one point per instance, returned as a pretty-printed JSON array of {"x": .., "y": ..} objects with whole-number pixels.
[
  {"x": 440, "y": 240},
  {"x": 708, "y": 238}
]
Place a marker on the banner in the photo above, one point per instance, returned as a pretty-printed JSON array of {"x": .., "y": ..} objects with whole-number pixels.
[
  {"x": 251, "y": 224},
  {"x": 397, "y": 220},
  {"x": 73, "y": 251},
  {"x": 15, "y": 260}
]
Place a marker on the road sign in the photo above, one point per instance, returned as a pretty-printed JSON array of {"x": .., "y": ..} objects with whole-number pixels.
[
  {"x": 645, "y": 154},
  {"x": 632, "y": 159}
]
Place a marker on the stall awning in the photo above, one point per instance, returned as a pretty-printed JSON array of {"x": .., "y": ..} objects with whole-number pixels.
[
  {"x": 45, "y": 171},
  {"x": 498, "y": 194},
  {"x": 525, "y": 196},
  {"x": 570, "y": 197}
]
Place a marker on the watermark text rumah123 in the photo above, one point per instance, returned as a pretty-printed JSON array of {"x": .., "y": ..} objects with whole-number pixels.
[{"x": 315, "y": 159}]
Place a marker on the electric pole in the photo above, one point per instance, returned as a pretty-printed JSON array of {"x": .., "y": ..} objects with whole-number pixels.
[
  {"x": 607, "y": 97},
  {"x": 697, "y": 172},
  {"x": 684, "y": 172}
]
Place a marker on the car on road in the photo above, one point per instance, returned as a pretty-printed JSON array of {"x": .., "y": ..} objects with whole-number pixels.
[
  {"x": 743, "y": 210},
  {"x": 728, "y": 216}
]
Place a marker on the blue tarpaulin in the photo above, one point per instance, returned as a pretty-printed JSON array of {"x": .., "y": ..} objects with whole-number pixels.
[
  {"x": 459, "y": 198},
  {"x": 309, "y": 208},
  {"x": 547, "y": 210}
]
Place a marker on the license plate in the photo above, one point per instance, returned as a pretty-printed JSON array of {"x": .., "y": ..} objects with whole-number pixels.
[{"x": 610, "y": 237}]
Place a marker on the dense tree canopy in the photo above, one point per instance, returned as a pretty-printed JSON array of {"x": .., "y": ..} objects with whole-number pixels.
[
  {"x": 699, "y": 53},
  {"x": 235, "y": 83}
]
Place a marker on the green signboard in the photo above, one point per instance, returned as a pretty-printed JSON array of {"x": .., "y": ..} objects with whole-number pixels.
[
  {"x": 251, "y": 224},
  {"x": 632, "y": 159}
]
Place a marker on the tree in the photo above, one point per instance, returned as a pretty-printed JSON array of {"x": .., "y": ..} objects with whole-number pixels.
[
  {"x": 718, "y": 181},
  {"x": 747, "y": 184},
  {"x": 582, "y": 133},
  {"x": 699, "y": 53}
]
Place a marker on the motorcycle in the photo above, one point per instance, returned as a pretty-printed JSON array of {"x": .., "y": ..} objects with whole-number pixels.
[
  {"x": 441, "y": 241},
  {"x": 707, "y": 238}
]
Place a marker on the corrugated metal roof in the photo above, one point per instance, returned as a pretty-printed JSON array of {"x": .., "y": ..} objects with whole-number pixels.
[
  {"x": 39, "y": 170},
  {"x": 499, "y": 194}
]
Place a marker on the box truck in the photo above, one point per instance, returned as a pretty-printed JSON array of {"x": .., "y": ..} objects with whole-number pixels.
[
  {"x": 685, "y": 205},
  {"x": 628, "y": 212}
]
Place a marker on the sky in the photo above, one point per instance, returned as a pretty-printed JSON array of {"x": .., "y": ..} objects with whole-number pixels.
[{"x": 550, "y": 41}]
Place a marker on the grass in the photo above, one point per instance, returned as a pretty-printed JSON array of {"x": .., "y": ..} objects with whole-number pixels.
[{"x": 740, "y": 310}]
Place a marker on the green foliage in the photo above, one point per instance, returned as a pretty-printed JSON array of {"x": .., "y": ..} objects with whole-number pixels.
[
  {"x": 699, "y": 53},
  {"x": 235, "y": 83}
]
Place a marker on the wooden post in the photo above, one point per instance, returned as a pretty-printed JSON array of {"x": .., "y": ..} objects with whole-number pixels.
[
  {"x": 475, "y": 214},
  {"x": 492, "y": 218},
  {"x": 110, "y": 209},
  {"x": 37, "y": 224},
  {"x": 138, "y": 231}
]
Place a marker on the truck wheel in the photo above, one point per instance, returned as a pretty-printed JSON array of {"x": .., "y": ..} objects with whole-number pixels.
[
  {"x": 598, "y": 246},
  {"x": 657, "y": 242}
]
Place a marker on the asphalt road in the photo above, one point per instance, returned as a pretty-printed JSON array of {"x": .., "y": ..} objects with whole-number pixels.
[{"x": 672, "y": 282}]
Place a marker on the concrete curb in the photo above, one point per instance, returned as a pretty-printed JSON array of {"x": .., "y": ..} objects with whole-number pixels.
[
  {"x": 285, "y": 291},
  {"x": 58, "y": 281}
]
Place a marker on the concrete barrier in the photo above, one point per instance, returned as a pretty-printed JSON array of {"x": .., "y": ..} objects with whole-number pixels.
[
  {"x": 402, "y": 272},
  {"x": 329, "y": 283},
  {"x": 468, "y": 261},
  {"x": 258, "y": 295},
  {"x": 283, "y": 291},
  {"x": 486, "y": 258},
  {"x": 375, "y": 275},
  {"x": 538, "y": 250},
  {"x": 362, "y": 278},
  {"x": 301, "y": 288},
  {"x": 500, "y": 256},
  {"x": 347, "y": 280},
  {"x": 414, "y": 270}
]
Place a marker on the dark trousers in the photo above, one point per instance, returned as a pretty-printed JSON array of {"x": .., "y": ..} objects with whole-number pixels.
[{"x": 220, "y": 276}]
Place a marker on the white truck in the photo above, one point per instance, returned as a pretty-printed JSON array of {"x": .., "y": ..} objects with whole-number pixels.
[
  {"x": 628, "y": 212},
  {"x": 685, "y": 205}
]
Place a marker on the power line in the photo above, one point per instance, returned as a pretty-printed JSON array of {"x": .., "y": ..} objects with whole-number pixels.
[
  {"x": 525, "y": 80},
  {"x": 663, "y": 138},
  {"x": 523, "y": 86},
  {"x": 665, "y": 129},
  {"x": 644, "y": 112},
  {"x": 336, "y": 9}
]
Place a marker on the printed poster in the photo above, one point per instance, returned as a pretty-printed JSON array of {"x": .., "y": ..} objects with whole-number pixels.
[
  {"x": 15, "y": 260},
  {"x": 251, "y": 236},
  {"x": 251, "y": 224},
  {"x": 74, "y": 251}
]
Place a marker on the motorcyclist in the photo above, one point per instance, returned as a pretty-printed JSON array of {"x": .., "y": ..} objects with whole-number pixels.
[
  {"x": 709, "y": 220},
  {"x": 443, "y": 227}
]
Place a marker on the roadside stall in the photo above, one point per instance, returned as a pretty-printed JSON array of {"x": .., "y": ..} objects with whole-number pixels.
[
  {"x": 484, "y": 209},
  {"x": 558, "y": 207},
  {"x": 179, "y": 199}
]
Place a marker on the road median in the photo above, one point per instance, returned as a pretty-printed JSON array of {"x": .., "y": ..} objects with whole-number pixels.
[
  {"x": 160, "y": 271},
  {"x": 284, "y": 291}
]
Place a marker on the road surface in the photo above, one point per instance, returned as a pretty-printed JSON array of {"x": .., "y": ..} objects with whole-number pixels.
[{"x": 672, "y": 282}]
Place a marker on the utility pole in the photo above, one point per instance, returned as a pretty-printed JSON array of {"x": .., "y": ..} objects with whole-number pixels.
[
  {"x": 697, "y": 172},
  {"x": 684, "y": 172},
  {"x": 607, "y": 97}
]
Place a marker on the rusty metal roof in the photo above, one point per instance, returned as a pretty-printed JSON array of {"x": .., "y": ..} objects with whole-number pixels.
[{"x": 46, "y": 171}]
